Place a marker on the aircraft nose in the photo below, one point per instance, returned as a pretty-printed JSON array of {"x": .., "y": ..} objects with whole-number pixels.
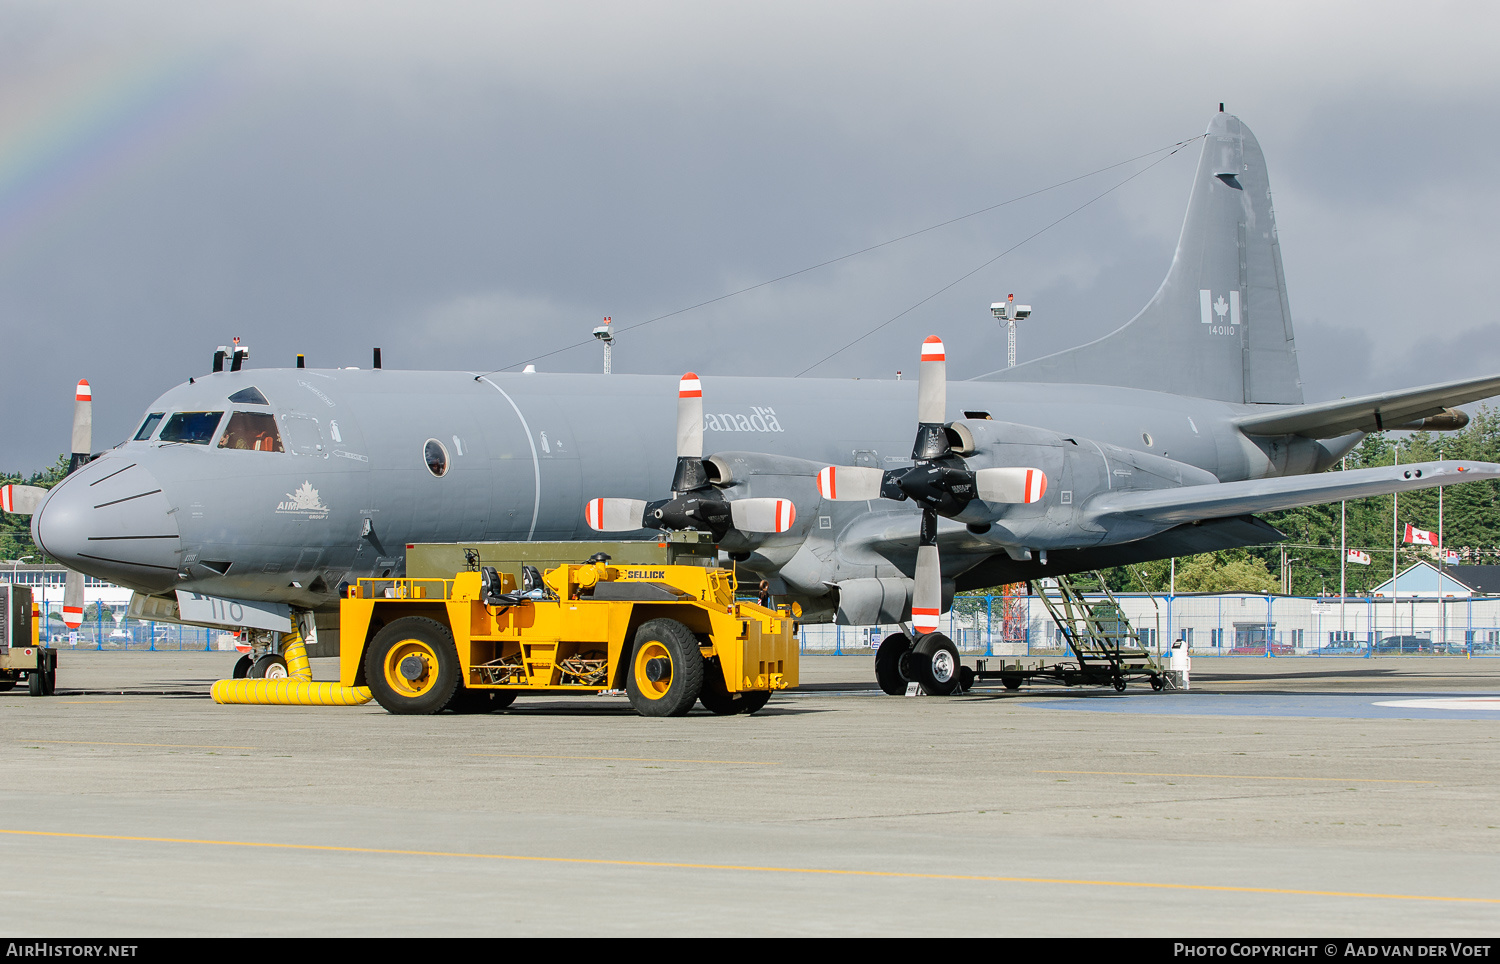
[{"x": 110, "y": 519}]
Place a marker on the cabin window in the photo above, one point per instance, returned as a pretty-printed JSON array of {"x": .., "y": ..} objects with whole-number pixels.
[
  {"x": 196, "y": 428},
  {"x": 436, "y": 456},
  {"x": 148, "y": 426},
  {"x": 249, "y": 396},
  {"x": 252, "y": 431}
]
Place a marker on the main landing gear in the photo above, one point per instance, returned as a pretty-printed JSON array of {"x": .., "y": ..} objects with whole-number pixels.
[{"x": 932, "y": 660}]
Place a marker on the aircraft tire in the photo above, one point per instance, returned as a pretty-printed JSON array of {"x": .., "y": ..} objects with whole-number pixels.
[
  {"x": 242, "y": 667},
  {"x": 412, "y": 666},
  {"x": 888, "y": 662},
  {"x": 665, "y": 675},
  {"x": 465, "y": 700},
  {"x": 717, "y": 699},
  {"x": 935, "y": 664},
  {"x": 269, "y": 666}
]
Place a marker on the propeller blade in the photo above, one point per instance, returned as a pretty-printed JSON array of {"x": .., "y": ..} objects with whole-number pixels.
[
  {"x": 932, "y": 382},
  {"x": 83, "y": 425},
  {"x": 848, "y": 483},
  {"x": 73, "y": 600},
  {"x": 21, "y": 499},
  {"x": 1014, "y": 485},
  {"x": 927, "y": 594},
  {"x": 689, "y": 417},
  {"x": 615, "y": 515},
  {"x": 762, "y": 515}
]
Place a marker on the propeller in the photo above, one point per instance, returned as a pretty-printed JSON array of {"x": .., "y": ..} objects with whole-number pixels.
[
  {"x": 938, "y": 479},
  {"x": 695, "y": 503},
  {"x": 24, "y": 499}
]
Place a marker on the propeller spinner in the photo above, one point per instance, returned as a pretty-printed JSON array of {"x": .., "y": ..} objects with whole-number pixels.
[{"x": 695, "y": 503}]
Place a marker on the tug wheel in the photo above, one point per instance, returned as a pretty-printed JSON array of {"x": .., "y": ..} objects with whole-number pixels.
[
  {"x": 888, "y": 662},
  {"x": 665, "y": 677},
  {"x": 717, "y": 699},
  {"x": 465, "y": 700},
  {"x": 412, "y": 666}
]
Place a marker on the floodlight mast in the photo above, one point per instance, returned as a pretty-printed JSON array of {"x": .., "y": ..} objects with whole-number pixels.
[
  {"x": 606, "y": 335},
  {"x": 1009, "y": 313}
]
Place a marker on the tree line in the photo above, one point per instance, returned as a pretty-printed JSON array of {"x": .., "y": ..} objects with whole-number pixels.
[{"x": 1470, "y": 526}]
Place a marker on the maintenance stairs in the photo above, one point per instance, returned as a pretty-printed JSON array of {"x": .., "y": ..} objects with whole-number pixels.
[{"x": 1107, "y": 648}]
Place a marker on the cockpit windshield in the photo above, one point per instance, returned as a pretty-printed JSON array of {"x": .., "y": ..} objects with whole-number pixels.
[
  {"x": 252, "y": 430},
  {"x": 148, "y": 426},
  {"x": 249, "y": 396},
  {"x": 196, "y": 428}
]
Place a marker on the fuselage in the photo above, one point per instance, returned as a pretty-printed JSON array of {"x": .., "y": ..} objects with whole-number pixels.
[{"x": 283, "y": 483}]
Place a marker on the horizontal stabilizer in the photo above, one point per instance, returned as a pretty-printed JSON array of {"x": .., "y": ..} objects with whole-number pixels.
[
  {"x": 1223, "y": 499},
  {"x": 1370, "y": 413}
]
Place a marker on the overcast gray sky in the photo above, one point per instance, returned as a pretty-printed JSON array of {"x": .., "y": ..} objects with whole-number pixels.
[{"x": 468, "y": 185}]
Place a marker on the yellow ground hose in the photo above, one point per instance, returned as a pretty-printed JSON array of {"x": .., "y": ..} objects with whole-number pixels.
[
  {"x": 295, "y": 654},
  {"x": 298, "y": 689}
]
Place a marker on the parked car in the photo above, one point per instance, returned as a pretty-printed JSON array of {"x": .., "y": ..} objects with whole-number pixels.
[
  {"x": 1259, "y": 649},
  {"x": 1403, "y": 645}
]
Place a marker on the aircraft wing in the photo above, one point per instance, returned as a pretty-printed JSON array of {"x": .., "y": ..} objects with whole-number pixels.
[
  {"x": 1221, "y": 500},
  {"x": 1370, "y": 413}
]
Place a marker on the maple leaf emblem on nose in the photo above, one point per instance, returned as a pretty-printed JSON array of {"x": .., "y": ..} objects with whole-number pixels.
[{"x": 1221, "y": 307}]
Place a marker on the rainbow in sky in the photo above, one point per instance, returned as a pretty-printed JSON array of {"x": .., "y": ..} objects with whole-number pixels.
[{"x": 68, "y": 134}]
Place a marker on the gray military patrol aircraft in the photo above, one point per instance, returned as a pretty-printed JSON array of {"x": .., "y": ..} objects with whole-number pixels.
[{"x": 1160, "y": 439}]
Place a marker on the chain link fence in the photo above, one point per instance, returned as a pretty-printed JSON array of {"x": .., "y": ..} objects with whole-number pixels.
[
  {"x": 103, "y": 629},
  {"x": 1222, "y": 625}
]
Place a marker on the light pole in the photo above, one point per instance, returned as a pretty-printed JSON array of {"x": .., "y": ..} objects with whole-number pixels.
[
  {"x": 1009, "y": 313},
  {"x": 15, "y": 564},
  {"x": 606, "y": 335}
]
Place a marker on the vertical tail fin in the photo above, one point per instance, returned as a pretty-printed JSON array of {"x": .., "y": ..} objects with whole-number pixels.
[{"x": 1220, "y": 325}]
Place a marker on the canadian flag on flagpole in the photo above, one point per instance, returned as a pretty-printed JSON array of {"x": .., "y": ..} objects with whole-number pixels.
[
  {"x": 1420, "y": 537},
  {"x": 1363, "y": 558},
  {"x": 1450, "y": 556}
]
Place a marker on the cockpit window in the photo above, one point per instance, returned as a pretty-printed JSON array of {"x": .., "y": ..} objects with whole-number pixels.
[
  {"x": 196, "y": 428},
  {"x": 249, "y": 396},
  {"x": 148, "y": 426},
  {"x": 251, "y": 430}
]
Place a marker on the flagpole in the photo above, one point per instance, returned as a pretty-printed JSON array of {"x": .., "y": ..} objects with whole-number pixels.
[
  {"x": 1395, "y": 555},
  {"x": 1442, "y": 557},
  {"x": 1343, "y": 553}
]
